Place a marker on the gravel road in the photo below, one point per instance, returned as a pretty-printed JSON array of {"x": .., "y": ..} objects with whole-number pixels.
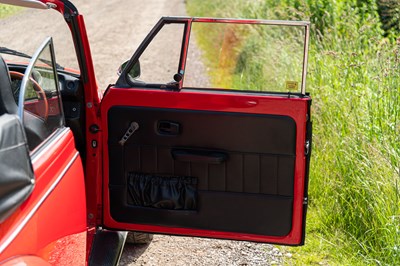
[{"x": 115, "y": 28}]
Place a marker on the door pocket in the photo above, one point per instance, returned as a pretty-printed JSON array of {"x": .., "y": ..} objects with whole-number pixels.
[{"x": 162, "y": 192}]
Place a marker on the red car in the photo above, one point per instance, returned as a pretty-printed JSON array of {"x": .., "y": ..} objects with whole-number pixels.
[{"x": 164, "y": 153}]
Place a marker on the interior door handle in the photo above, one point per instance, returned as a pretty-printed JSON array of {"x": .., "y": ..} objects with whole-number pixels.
[
  {"x": 168, "y": 128},
  {"x": 199, "y": 156}
]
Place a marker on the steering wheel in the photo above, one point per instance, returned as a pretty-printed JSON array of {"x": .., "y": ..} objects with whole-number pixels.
[{"x": 42, "y": 109}]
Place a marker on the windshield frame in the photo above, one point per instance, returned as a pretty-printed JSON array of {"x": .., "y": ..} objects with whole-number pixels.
[{"x": 48, "y": 42}]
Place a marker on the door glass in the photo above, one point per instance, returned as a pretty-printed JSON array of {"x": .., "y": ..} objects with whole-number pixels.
[
  {"x": 251, "y": 57},
  {"x": 160, "y": 60},
  {"x": 39, "y": 96}
]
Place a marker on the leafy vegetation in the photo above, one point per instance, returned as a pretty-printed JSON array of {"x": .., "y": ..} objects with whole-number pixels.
[
  {"x": 233, "y": 64},
  {"x": 389, "y": 12},
  {"x": 354, "y": 78},
  {"x": 7, "y": 10}
]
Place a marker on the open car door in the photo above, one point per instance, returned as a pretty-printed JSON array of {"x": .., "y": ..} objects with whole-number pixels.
[
  {"x": 42, "y": 199},
  {"x": 209, "y": 135}
]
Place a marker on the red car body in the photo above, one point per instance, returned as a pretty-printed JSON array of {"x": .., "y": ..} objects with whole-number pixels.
[{"x": 75, "y": 200}]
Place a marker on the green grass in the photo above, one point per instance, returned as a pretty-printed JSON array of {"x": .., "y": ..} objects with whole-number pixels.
[
  {"x": 354, "y": 79},
  {"x": 8, "y": 10},
  {"x": 232, "y": 63}
]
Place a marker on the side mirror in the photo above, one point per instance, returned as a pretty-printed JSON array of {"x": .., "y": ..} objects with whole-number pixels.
[{"x": 133, "y": 73}]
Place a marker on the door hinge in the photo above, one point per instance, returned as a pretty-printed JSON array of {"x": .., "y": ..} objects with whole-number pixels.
[
  {"x": 305, "y": 201},
  {"x": 94, "y": 129},
  {"x": 307, "y": 147}
]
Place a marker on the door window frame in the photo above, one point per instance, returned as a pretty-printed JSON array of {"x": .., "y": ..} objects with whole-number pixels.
[
  {"x": 48, "y": 42},
  {"x": 124, "y": 81}
]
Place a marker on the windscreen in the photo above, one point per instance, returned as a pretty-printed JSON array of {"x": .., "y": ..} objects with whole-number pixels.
[{"x": 24, "y": 29}]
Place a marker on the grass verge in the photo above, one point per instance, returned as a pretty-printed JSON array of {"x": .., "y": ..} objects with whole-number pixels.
[
  {"x": 8, "y": 10},
  {"x": 354, "y": 78}
]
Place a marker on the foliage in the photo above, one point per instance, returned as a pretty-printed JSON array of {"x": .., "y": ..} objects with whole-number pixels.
[
  {"x": 354, "y": 78},
  {"x": 389, "y": 12},
  {"x": 7, "y": 10}
]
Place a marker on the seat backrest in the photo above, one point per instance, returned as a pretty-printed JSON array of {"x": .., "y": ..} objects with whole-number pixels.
[
  {"x": 35, "y": 127},
  {"x": 7, "y": 102}
]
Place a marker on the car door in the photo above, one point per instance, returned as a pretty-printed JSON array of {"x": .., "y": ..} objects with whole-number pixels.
[
  {"x": 207, "y": 132},
  {"x": 47, "y": 219}
]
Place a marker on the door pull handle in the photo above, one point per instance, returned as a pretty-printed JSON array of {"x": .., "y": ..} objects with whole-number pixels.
[{"x": 168, "y": 128}]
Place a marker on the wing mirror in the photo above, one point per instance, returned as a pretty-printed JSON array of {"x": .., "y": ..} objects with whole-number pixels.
[{"x": 133, "y": 73}]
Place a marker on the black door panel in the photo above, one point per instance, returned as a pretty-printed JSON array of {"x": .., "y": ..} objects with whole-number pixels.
[
  {"x": 231, "y": 212},
  {"x": 243, "y": 164},
  {"x": 251, "y": 173},
  {"x": 252, "y": 133}
]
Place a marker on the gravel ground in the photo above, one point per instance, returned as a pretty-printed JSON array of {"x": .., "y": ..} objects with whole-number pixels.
[
  {"x": 115, "y": 28},
  {"x": 172, "y": 250}
]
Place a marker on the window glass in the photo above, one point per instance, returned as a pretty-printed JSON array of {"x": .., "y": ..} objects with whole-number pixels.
[
  {"x": 251, "y": 57},
  {"x": 42, "y": 112},
  {"x": 44, "y": 23},
  {"x": 160, "y": 60}
]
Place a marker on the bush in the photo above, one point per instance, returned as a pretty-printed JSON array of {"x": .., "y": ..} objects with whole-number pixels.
[{"x": 389, "y": 12}]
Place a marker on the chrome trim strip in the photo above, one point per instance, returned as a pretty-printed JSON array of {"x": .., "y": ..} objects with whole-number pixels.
[
  {"x": 19, "y": 228},
  {"x": 25, "y": 3},
  {"x": 249, "y": 21},
  {"x": 305, "y": 59},
  {"x": 45, "y": 146}
]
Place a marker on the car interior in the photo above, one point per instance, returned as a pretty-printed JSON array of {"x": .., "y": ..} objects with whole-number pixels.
[{"x": 38, "y": 123}]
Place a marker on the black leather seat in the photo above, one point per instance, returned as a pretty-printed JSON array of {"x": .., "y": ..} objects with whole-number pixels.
[
  {"x": 7, "y": 102},
  {"x": 35, "y": 127}
]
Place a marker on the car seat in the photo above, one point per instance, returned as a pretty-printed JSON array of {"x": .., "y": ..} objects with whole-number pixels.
[{"x": 35, "y": 127}]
